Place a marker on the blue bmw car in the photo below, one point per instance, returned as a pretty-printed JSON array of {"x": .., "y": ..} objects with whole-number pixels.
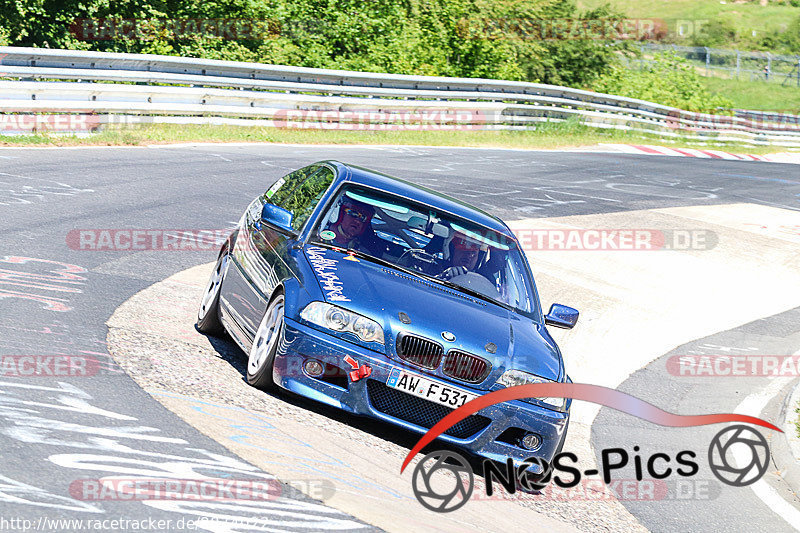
[{"x": 392, "y": 301}]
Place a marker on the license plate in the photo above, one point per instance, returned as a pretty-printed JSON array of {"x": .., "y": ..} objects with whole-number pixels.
[{"x": 430, "y": 390}]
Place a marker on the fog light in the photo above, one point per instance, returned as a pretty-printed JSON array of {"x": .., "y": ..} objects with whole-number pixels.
[
  {"x": 531, "y": 441},
  {"x": 313, "y": 368}
]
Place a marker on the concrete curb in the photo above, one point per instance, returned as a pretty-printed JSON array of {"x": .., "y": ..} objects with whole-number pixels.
[
  {"x": 787, "y": 465},
  {"x": 789, "y": 418},
  {"x": 705, "y": 153}
]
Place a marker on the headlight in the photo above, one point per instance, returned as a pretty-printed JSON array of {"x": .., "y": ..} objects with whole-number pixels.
[
  {"x": 338, "y": 319},
  {"x": 512, "y": 378}
]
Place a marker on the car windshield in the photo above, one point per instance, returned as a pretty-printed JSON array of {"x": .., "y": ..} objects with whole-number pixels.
[{"x": 438, "y": 246}]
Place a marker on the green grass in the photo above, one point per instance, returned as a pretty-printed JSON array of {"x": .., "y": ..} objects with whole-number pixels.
[
  {"x": 760, "y": 96},
  {"x": 746, "y": 17},
  {"x": 547, "y": 136},
  {"x": 797, "y": 423}
]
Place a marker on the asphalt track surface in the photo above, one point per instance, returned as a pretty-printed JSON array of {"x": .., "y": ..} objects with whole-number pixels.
[{"x": 56, "y": 431}]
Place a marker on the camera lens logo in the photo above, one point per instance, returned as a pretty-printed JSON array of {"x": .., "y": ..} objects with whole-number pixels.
[
  {"x": 443, "y": 486},
  {"x": 532, "y": 482},
  {"x": 738, "y": 456}
]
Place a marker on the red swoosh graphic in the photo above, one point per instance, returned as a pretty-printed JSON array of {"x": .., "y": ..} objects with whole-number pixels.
[{"x": 579, "y": 391}]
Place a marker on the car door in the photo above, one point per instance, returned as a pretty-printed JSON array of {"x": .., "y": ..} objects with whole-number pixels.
[{"x": 262, "y": 251}]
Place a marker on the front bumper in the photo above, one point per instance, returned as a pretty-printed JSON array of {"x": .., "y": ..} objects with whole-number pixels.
[{"x": 485, "y": 436}]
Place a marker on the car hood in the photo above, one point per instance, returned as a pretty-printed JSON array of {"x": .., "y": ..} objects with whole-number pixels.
[{"x": 382, "y": 293}]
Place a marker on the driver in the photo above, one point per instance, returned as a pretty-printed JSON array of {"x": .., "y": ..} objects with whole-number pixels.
[
  {"x": 462, "y": 253},
  {"x": 350, "y": 227}
]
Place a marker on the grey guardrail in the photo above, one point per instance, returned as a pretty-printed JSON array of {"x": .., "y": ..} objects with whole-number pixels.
[
  {"x": 72, "y": 59},
  {"x": 767, "y": 116},
  {"x": 234, "y": 86}
]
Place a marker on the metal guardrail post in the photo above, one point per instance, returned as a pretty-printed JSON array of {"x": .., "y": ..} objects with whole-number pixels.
[
  {"x": 738, "y": 61},
  {"x": 769, "y": 65},
  {"x": 641, "y": 57},
  {"x": 708, "y": 61}
]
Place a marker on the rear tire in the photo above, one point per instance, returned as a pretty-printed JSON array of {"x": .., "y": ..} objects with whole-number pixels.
[
  {"x": 261, "y": 359},
  {"x": 208, "y": 320}
]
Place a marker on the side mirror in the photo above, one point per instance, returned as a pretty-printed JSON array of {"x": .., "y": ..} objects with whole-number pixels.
[
  {"x": 561, "y": 316},
  {"x": 277, "y": 217}
]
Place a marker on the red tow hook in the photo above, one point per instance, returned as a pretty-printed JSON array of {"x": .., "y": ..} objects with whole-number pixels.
[{"x": 358, "y": 372}]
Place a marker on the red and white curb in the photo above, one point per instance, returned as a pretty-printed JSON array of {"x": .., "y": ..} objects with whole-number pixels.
[{"x": 649, "y": 149}]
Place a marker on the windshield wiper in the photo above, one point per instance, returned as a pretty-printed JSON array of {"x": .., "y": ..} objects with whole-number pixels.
[
  {"x": 362, "y": 255},
  {"x": 372, "y": 258},
  {"x": 466, "y": 290},
  {"x": 473, "y": 292}
]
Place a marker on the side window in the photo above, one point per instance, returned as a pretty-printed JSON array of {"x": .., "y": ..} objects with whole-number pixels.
[
  {"x": 307, "y": 196},
  {"x": 300, "y": 191},
  {"x": 282, "y": 189}
]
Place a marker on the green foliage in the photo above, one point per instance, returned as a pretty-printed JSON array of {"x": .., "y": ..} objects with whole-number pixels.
[
  {"x": 751, "y": 20},
  {"x": 669, "y": 80},
  {"x": 466, "y": 38},
  {"x": 428, "y": 37},
  {"x": 764, "y": 96},
  {"x": 716, "y": 33},
  {"x": 574, "y": 62},
  {"x": 787, "y": 41}
]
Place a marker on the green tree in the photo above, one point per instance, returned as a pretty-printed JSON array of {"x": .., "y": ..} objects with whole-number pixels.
[
  {"x": 470, "y": 38},
  {"x": 669, "y": 80}
]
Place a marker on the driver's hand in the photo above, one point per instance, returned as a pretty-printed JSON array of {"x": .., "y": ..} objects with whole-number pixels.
[{"x": 453, "y": 272}]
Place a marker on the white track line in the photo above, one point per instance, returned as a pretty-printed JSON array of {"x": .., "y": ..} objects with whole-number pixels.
[{"x": 753, "y": 405}]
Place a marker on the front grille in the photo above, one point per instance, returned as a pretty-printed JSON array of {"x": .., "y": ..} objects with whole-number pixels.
[
  {"x": 419, "y": 351},
  {"x": 465, "y": 366},
  {"x": 420, "y": 412}
]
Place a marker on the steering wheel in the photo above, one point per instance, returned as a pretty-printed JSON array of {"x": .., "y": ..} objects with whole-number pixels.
[
  {"x": 420, "y": 260},
  {"x": 476, "y": 282}
]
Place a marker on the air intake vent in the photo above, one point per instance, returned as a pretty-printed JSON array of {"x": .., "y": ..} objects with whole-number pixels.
[
  {"x": 420, "y": 412},
  {"x": 465, "y": 367},
  {"x": 419, "y": 351}
]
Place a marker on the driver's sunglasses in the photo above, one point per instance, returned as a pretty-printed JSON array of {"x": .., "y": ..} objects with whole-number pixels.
[
  {"x": 355, "y": 214},
  {"x": 466, "y": 246}
]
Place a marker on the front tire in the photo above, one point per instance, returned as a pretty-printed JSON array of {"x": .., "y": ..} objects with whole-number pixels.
[
  {"x": 261, "y": 359},
  {"x": 208, "y": 320}
]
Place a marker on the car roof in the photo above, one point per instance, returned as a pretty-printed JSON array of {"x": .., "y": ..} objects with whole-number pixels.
[{"x": 390, "y": 184}]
